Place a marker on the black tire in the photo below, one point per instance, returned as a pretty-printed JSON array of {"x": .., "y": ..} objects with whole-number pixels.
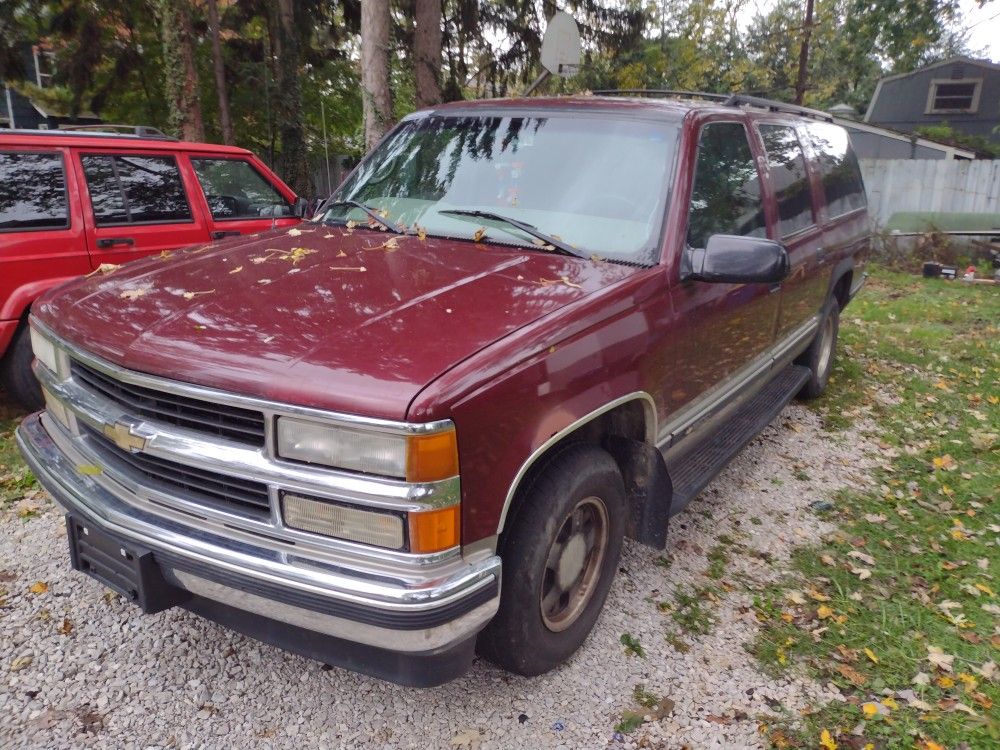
[
  {"x": 822, "y": 352},
  {"x": 16, "y": 376},
  {"x": 521, "y": 637}
]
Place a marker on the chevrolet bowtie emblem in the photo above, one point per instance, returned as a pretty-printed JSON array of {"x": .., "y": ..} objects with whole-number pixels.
[{"x": 121, "y": 435}]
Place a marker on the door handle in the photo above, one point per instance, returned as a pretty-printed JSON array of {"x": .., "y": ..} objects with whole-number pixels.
[
  {"x": 218, "y": 234},
  {"x": 110, "y": 241}
]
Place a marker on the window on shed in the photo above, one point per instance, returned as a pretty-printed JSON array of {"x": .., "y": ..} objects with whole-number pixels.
[
  {"x": 726, "y": 196},
  {"x": 126, "y": 189},
  {"x": 787, "y": 170},
  {"x": 954, "y": 96},
  {"x": 32, "y": 191},
  {"x": 843, "y": 187}
]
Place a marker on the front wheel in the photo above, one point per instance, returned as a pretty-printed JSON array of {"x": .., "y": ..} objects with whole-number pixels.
[
  {"x": 559, "y": 555},
  {"x": 16, "y": 376},
  {"x": 820, "y": 354}
]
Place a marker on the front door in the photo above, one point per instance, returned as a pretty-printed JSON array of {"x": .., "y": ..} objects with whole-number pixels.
[
  {"x": 729, "y": 327},
  {"x": 139, "y": 206}
]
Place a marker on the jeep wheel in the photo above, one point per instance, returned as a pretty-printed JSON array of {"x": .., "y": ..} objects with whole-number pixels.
[
  {"x": 16, "y": 376},
  {"x": 560, "y": 554},
  {"x": 821, "y": 352}
]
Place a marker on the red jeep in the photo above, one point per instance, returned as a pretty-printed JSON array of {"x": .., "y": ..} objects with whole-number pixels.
[
  {"x": 72, "y": 200},
  {"x": 521, "y": 331}
]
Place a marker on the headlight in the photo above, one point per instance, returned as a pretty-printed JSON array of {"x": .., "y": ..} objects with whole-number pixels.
[
  {"x": 45, "y": 351},
  {"x": 416, "y": 458}
]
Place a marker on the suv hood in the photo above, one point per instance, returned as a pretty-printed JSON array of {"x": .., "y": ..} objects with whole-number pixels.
[{"x": 356, "y": 322}]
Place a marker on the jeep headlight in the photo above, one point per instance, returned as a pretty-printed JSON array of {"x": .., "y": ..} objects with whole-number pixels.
[
  {"x": 45, "y": 350},
  {"x": 415, "y": 458}
]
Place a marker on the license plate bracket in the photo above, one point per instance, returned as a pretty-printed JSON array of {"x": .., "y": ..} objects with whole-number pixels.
[{"x": 126, "y": 568}]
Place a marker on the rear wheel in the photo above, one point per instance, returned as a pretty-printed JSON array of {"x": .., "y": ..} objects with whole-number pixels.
[
  {"x": 820, "y": 355},
  {"x": 16, "y": 376},
  {"x": 559, "y": 555}
]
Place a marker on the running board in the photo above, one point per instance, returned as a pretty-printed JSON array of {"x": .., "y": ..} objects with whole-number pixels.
[{"x": 699, "y": 464}]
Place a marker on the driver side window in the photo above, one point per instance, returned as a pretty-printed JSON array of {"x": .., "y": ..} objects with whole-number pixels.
[
  {"x": 726, "y": 196},
  {"x": 235, "y": 190}
]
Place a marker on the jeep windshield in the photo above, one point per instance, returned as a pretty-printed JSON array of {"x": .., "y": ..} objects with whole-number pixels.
[{"x": 595, "y": 183}]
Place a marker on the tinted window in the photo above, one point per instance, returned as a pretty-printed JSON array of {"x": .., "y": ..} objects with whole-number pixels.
[
  {"x": 787, "y": 170},
  {"x": 32, "y": 191},
  {"x": 235, "y": 190},
  {"x": 842, "y": 184},
  {"x": 135, "y": 189},
  {"x": 726, "y": 197}
]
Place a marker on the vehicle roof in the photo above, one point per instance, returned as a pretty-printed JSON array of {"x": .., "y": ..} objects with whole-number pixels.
[
  {"x": 54, "y": 138},
  {"x": 668, "y": 108}
]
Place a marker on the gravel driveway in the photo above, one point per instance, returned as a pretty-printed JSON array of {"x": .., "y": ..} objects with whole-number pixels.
[{"x": 81, "y": 668}]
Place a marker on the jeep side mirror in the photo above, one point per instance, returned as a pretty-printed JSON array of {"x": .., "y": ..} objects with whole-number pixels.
[
  {"x": 731, "y": 259},
  {"x": 300, "y": 208}
]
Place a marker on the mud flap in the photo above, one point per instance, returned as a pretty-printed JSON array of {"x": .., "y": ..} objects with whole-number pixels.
[{"x": 647, "y": 487}]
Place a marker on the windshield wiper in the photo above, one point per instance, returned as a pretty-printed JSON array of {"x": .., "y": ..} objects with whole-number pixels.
[
  {"x": 391, "y": 226},
  {"x": 551, "y": 243}
]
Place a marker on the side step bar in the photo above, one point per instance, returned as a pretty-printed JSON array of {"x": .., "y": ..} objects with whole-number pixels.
[{"x": 699, "y": 464}]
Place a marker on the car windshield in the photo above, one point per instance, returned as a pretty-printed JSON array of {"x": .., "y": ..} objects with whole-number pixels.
[{"x": 597, "y": 184}]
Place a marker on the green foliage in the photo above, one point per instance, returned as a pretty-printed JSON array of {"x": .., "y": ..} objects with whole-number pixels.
[
  {"x": 945, "y": 133},
  {"x": 632, "y": 645}
]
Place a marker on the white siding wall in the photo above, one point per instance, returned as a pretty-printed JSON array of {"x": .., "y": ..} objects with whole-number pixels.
[{"x": 930, "y": 185}]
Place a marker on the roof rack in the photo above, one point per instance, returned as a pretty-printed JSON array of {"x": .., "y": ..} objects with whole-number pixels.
[
  {"x": 102, "y": 131},
  {"x": 673, "y": 93},
  {"x": 745, "y": 100},
  {"x": 728, "y": 100}
]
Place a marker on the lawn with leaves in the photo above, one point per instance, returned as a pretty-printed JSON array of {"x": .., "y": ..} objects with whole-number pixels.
[
  {"x": 899, "y": 607},
  {"x": 15, "y": 479}
]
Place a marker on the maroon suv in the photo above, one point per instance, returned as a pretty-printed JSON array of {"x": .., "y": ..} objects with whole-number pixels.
[{"x": 521, "y": 331}]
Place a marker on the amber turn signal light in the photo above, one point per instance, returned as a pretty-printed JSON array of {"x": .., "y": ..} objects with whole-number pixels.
[
  {"x": 435, "y": 530},
  {"x": 432, "y": 457}
]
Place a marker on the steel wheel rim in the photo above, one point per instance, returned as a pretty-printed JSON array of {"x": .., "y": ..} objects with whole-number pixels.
[
  {"x": 826, "y": 347},
  {"x": 573, "y": 564}
]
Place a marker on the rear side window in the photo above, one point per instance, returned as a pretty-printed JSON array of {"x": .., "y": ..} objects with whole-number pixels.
[
  {"x": 786, "y": 166},
  {"x": 726, "y": 196},
  {"x": 235, "y": 190},
  {"x": 32, "y": 191},
  {"x": 135, "y": 189},
  {"x": 842, "y": 184}
]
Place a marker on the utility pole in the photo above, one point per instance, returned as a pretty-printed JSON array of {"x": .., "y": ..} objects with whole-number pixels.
[{"x": 801, "y": 80}]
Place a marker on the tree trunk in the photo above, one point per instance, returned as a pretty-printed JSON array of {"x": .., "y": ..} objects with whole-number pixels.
[
  {"x": 803, "y": 76},
  {"x": 293, "y": 164},
  {"x": 375, "y": 91},
  {"x": 427, "y": 52},
  {"x": 225, "y": 119},
  {"x": 181, "y": 75}
]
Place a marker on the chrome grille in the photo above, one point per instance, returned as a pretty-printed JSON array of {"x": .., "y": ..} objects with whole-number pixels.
[
  {"x": 232, "y": 494},
  {"x": 231, "y": 422}
]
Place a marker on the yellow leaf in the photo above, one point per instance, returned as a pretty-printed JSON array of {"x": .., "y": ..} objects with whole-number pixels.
[
  {"x": 932, "y": 745},
  {"x": 968, "y": 680},
  {"x": 985, "y": 589},
  {"x": 826, "y": 741},
  {"x": 871, "y": 655},
  {"x": 823, "y": 612},
  {"x": 890, "y": 703},
  {"x": 869, "y": 709},
  {"x": 817, "y": 596},
  {"x": 480, "y": 233},
  {"x": 945, "y": 682},
  {"x": 38, "y": 587}
]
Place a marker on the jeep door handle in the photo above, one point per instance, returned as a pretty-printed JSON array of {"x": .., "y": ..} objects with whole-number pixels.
[
  {"x": 218, "y": 234},
  {"x": 110, "y": 241}
]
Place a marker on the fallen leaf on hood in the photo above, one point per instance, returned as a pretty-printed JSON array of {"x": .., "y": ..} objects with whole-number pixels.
[
  {"x": 192, "y": 295},
  {"x": 350, "y": 225},
  {"x": 38, "y": 587},
  {"x": 421, "y": 232},
  {"x": 104, "y": 269},
  {"x": 237, "y": 269},
  {"x": 294, "y": 232},
  {"x": 567, "y": 282},
  {"x": 479, "y": 234},
  {"x": 133, "y": 294},
  {"x": 341, "y": 254},
  {"x": 361, "y": 269}
]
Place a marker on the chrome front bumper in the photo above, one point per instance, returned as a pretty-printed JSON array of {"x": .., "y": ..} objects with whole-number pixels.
[{"x": 404, "y": 614}]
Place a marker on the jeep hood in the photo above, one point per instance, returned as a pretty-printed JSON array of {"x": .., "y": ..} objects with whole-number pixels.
[{"x": 356, "y": 322}]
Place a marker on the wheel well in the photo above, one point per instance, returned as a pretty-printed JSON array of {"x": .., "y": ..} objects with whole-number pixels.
[
  {"x": 842, "y": 289},
  {"x": 626, "y": 432}
]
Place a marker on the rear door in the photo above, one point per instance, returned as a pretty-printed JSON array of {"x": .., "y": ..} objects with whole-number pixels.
[
  {"x": 138, "y": 204},
  {"x": 240, "y": 195}
]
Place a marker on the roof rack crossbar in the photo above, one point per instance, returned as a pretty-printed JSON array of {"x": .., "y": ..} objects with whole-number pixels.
[
  {"x": 738, "y": 100},
  {"x": 672, "y": 93},
  {"x": 144, "y": 132}
]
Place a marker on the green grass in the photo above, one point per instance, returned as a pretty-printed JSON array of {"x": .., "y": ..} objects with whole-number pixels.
[
  {"x": 15, "y": 479},
  {"x": 913, "y": 563}
]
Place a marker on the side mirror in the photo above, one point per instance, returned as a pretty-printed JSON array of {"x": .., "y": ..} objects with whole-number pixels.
[
  {"x": 731, "y": 259},
  {"x": 300, "y": 208}
]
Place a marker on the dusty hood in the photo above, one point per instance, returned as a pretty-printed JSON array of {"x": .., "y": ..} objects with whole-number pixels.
[{"x": 317, "y": 316}]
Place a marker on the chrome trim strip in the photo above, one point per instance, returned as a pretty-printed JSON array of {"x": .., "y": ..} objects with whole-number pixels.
[
  {"x": 688, "y": 417},
  {"x": 649, "y": 409},
  {"x": 857, "y": 287},
  {"x": 86, "y": 498},
  {"x": 269, "y": 408}
]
